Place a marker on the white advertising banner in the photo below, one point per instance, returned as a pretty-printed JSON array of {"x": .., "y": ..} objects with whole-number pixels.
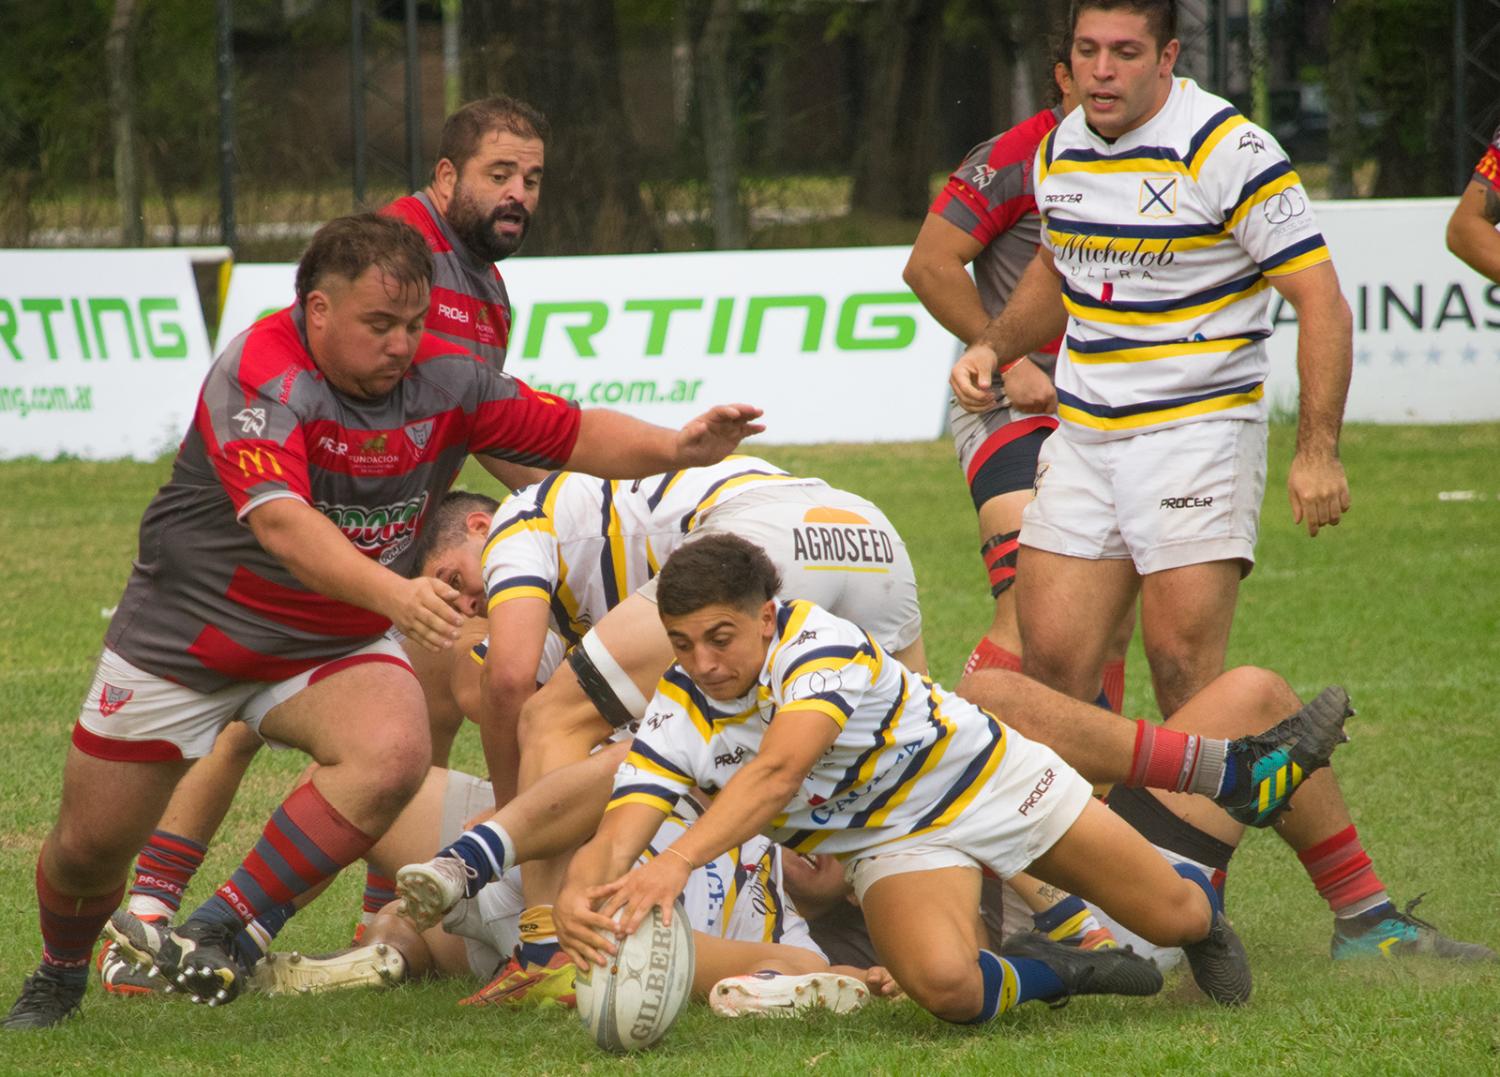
[
  {"x": 830, "y": 343},
  {"x": 102, "y": 352},
  {"x": 835, "y": 348},
  {"x": 1426, "y": 326}
]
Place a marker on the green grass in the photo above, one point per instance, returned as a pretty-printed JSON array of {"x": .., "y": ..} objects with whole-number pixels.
[{"x": 1401, "y": 603}]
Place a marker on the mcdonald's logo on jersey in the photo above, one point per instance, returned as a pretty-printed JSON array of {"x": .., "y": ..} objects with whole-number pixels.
[{"x": 258, "y": 459}]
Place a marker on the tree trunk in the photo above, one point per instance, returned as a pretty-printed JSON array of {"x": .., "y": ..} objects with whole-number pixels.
[
  {"x": 716, "y": 88},
  {"x": 562, "y": 56},
  {"x": 897, "y": 149},
  {"x": 122, "y": 121}
]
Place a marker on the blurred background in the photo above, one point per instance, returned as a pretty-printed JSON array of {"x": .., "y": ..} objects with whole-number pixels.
[{"x": 677, "y": 124}]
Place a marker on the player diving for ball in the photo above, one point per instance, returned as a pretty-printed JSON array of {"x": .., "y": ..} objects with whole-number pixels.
[{"x": 814, "y": 735}]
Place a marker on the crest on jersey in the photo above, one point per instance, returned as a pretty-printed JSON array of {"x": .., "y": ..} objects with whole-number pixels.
[
  {"x": 1158, "y": 197},
  {"x": 112, "y": 699},
  {"x": 252, "y": 421},
  {"x": 418, "y": 433}
]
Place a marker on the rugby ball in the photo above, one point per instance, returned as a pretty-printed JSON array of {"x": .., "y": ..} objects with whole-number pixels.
[{"x": 630, "y": 1003}]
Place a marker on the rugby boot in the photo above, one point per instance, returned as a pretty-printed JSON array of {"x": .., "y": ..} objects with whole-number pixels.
[
  {"x": 781, "y": 995},
  {"x": 145, "y": 943},
  {"x": 521, "y": 983},
  {"x": 1102, "y": 971},
  {"x": 209, "y": 966},
  {"x": 1268, "y": 767},
  {"x": 432, "y": 887},
  {"x": 118, "y": 974},
  {"x": 1219, "y": 963},
  {"x": 1400, "y": 934},
  {"x": 48, "y": 998},
  {"x": 377, "y": 965}
]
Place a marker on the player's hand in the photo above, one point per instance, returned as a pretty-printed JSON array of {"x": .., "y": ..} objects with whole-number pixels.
[
  {"x": 882, "y": 984},
  {"x": 972, "y": 376},
  {"x": 629, "y": 900},
  {"x": 584, "y": 934},
  {"x": 423, "y": 610},
  {"x": 1028, "y": 388},
  {"x": 1318, "y": 490},
  {"x": 716, "y": 433}
]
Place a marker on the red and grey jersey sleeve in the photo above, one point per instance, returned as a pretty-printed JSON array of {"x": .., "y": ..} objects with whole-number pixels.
[
  {"x": 515, "y": 422},
  {"x": 251, "y": 435},
  {"x": 1487, "y": 171},
  {"x": 992, "y": 189}
]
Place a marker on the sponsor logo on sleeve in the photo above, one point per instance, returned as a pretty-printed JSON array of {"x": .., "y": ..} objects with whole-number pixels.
[
  {"x": 983, "y": 176},
  {"x": 1252, "y": 142},
  {"x": 1283, "y": 206},
  {"x": 252, "y": 421}
]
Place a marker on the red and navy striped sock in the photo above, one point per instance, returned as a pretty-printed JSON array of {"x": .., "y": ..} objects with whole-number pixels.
[
  {"x": 987, "y": 654},
  {"x": 1114, "y": 685},
  {"x": 162, "y": 873},
  {"x": 71, "y": 926},
  {"x": 306, "y": 841},
  {"x": 380, "y": 891}
]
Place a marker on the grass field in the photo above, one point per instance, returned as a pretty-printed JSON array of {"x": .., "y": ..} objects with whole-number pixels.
[{"x": 1401, "y": 604}]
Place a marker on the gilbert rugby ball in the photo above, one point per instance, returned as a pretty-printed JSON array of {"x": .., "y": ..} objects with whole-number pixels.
[{"x": 630, "y": 1003}]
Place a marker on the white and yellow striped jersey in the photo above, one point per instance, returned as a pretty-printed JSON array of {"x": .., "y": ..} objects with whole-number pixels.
[
  {"x": 1166, "y": 239},
  {"x": 739, "y": 894},
  {"x": 908, "y": 759},
  {"x": 582, "y": 544},
  {"x": 563, "y": 541}
]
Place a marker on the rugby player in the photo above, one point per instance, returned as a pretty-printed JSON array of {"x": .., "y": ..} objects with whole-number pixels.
[
  {"x": 814, "y": 735},
  {"x": 1168, "y": 218},
  {"x": 270, "y": 567},
  {"x": 1474, "y": 228},
  {"x": 986, "y": 215}
]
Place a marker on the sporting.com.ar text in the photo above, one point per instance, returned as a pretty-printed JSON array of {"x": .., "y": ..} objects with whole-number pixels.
[
  {"x": 626, "y": 390},
  {"x": 25, "y": 399}
]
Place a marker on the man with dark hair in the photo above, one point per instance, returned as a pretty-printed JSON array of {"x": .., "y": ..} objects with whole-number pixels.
[
  {"x": 476, "y": 212},
  {"x": 809, "y": 732},
  {"x": 1474, "y": 228},
  {"x": 1167, "y": 219},
  {"x": 987, "y": 215},
  {"x": 271, "y": 565}
]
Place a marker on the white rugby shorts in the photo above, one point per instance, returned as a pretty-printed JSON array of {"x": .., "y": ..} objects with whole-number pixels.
[
  {"x": 1027, "y": 805},
  {"x": 130, "y": 715},
  {"x": 1186, "y": 495}
]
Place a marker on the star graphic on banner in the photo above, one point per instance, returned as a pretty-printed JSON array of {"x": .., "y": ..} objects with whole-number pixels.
[
  {"x": 1434, "y": 356},
  {"x": 1470, "y": 353},
  {"x": 1363, "y": 355},
  {"x": 1399, "y": 356}
]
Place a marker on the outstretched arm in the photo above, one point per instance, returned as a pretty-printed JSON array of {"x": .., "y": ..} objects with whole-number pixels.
[
  {"x": 613, "y": 445},
  {"x": 757, "y": 793},
  {"x": 1472, "y": 231}
]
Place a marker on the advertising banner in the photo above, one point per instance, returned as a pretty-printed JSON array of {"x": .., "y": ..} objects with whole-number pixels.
[
  {"x": 101, "y": 352},
  {"x": 1426, "y": 326},
  {"x": 829, "y": 342},
  {"x": 835, "y": 348}
]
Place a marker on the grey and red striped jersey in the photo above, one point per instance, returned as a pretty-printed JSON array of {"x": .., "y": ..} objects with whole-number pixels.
[
  {"x": 470, "y": 306},
  {"x": 991, "y": 197},
  {"x": 206, "y": 605}
]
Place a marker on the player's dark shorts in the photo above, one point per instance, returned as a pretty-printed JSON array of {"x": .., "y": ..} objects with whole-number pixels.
[{"x": 998, "y": 448}]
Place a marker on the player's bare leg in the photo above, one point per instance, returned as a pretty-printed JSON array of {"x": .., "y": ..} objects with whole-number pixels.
[
  {"x": 1186, "y": 614},
  {"x": 441, "y": 674},
  {"x": 108, "y": 808},
  {"x": 925, "y": 927},
  {"x": 366, "y": 726},
  {"x": 1069, "y": 610},
  {"x": 1164, "y": 904}
]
